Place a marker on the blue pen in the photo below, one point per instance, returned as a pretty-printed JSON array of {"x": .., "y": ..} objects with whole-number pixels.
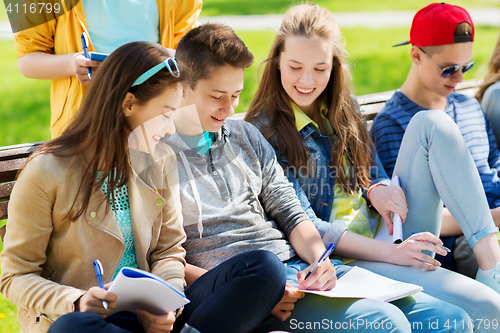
[
  {"x": 325, "y": 255},
  {"x": 98, "y": 276},
  {"x": 85, "y": 44}
]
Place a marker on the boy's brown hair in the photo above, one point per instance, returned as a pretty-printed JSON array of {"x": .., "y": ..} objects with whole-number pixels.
[{"x": 209, "y": 46}]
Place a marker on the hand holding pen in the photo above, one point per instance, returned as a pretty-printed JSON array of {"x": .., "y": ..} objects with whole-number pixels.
[
  {"x": 326, "y": 279},
  {"x": 412, "y": 252},
  {"x": 85, "y": 45},
  {"x": 442, "y": 247},
  {"x": 98, "y": 275},
  {"x": 97, "y": 299}
]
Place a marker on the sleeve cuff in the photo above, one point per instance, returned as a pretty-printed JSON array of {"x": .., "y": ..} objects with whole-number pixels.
[{"x": 333, "y": 234}]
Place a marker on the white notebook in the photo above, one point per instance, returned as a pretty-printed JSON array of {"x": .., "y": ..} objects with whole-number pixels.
[
  {"x": 138, "y": 289},
  {"x": 361, "y": 283},
  {"x": 397, "y": 225}
]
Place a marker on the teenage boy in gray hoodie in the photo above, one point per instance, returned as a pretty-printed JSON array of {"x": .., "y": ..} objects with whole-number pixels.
[{"x": 235, "y": 198}]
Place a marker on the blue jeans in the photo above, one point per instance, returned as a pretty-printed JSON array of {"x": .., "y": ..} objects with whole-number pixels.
[
  {"x": 80, "y": 322},
  {"x": 235, "y": 296},
  {"x": 435, "y": 166},
  {"x": 313, "y": 313}
]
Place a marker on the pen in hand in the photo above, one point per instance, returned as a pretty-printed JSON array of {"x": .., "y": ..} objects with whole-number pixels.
[
  {"x": 441, "y": 246},
  {"x": 325, "y": 255},
  {"x": 85, "y": 44},
  {"x": 98, "y": 275}
]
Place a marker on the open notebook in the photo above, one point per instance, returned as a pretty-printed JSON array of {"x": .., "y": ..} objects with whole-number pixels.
[
  {"x": 138, "y": 289},
  {"x": 361, "y": 283}
]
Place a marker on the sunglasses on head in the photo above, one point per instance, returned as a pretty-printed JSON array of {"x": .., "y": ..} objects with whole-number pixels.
[
  {"x": 169, "y": 63},
  {"x": 450, "y": 70}
]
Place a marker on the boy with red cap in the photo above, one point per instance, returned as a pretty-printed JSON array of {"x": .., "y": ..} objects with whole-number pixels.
[{"x": 441, "y": 36}]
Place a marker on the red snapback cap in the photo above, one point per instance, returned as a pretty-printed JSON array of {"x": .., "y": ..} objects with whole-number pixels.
[{"x": 436, "y": 23}]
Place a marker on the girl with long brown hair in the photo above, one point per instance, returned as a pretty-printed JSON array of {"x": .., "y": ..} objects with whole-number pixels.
[
  {"x": 303, "y": 106},
  {"x": 85, "y": 202}
]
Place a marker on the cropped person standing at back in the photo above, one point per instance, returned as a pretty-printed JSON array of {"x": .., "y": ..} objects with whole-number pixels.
[{"x": 53, "y": 50}]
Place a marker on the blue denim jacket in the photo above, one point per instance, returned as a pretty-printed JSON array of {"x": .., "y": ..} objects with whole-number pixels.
[{"x": 316, "y": 193}]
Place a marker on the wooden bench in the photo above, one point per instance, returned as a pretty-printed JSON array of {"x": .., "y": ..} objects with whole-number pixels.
[{"x": 12, "y": 158}]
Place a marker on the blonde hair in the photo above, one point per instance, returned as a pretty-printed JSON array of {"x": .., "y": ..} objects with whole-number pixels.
[
  {"x": 352, "y": 139},
  {"x": 493, "y": 74}
]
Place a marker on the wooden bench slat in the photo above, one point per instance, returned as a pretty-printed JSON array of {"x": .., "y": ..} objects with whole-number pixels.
[
  {"x": 14, "y": 152},
  {"x": 370, "y": 111},
  {"x": 9, "y": 169},
  {"x": 3, "y": 209},
  {"x": 467, "y": 84},
  {"x": 12, "y": 165},
  {"x": 6, "y": 189},
  {"x": 374, "y": 98}
]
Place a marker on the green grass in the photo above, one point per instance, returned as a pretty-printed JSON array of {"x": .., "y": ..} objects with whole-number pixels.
[
  {"x": 3, "y": 13},
  {"x": 376, "y": 67},
  {"x": 8, "y": 313},
  {"x": 24, "y": 103},
  {"x": 245, "y": 7}
]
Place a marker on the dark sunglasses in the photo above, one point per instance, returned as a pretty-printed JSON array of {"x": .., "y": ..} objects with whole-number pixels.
[{"x": 450, "y": 70}]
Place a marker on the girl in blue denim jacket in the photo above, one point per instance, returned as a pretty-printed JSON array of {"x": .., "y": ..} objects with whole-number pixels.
[{"x": 304, "y": 108}]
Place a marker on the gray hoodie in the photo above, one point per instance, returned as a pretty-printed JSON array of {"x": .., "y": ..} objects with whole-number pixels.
[{"x": 223, "y": 184}]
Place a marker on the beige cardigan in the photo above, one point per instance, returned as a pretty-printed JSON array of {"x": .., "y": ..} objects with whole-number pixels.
[{"x": 47, "y": 259}]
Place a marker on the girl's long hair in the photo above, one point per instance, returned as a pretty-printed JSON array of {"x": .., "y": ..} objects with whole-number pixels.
[
  {"x": 99, "y": 130},
  {"x": 493, "y": 74},
  {"x": 352, "y": 140}
]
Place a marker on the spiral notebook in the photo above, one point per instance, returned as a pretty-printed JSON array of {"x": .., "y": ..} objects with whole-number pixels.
[{"x": 138, "y": 289}]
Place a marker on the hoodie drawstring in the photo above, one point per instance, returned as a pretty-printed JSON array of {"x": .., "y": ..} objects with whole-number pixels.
[{"x": 195, "y": 191}]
